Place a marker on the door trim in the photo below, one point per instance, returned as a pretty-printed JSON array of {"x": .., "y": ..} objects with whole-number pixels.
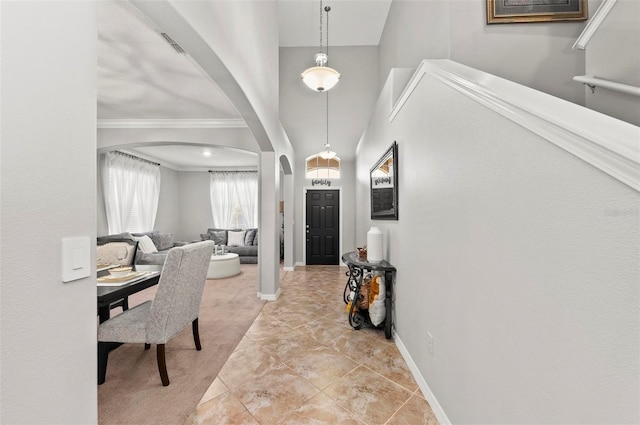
[{"x": 304, "y": 222}]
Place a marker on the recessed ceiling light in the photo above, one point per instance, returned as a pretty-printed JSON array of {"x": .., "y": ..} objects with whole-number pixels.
[{"x": 206, "y": 153}]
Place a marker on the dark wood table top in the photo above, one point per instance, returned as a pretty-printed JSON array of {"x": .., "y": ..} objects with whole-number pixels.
[{"x": 111, "y": 294}]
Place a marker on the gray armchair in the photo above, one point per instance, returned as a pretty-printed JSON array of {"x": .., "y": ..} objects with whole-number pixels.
[{"x": 176, "y": 304}]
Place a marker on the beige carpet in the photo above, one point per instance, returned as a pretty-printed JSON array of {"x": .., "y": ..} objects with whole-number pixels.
[{"x": 133, "y": 393}]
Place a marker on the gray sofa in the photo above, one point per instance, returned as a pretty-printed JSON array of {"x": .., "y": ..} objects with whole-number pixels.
[
  {"x": 162, "y": 241},
  {"x": 248, "y": 251}
]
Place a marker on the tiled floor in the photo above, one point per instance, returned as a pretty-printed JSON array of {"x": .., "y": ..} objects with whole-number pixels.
[{"x": 301, "y": 363}]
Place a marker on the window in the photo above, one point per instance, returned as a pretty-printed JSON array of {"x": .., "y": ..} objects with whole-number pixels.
[
  {"x": 234, "y": 199},
  {"x": 131, "y": 188},
  {"x": 322, "y": 168}
]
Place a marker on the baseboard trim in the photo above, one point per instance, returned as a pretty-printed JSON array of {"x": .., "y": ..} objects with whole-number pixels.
[
  {"x": 290, "y": 269},
  {"x": 269, "y": 297},
  {"x": 299, "y": 264},
  {"x": 422, "y": 383}
]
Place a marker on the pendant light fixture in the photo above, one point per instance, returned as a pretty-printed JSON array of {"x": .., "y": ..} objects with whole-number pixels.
[
  {"x": 327, "y": 153},
  {"x": 321, "y": 77}
]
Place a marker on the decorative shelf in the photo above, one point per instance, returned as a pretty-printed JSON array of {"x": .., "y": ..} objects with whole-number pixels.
[{"x": 593, "y": 82}]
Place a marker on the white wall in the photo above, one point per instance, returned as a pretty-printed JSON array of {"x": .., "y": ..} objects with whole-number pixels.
[
  {"x": 621, "y": 64},
  {"x": 169, "y": 211},
  {"x": 415, "y": 30},
  {"x": 537, "y": 55},
  {"x": 48, "y": 187},
  {"x": 195, "y": 205},
  {"x": 520, "y": 259},
  {"x": 303, "y": 115}
]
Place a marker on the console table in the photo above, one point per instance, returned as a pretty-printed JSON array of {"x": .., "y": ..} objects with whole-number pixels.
[{"x": 357, "y": 269}]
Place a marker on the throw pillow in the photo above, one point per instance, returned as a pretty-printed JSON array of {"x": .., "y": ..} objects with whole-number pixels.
[
  {"x": 236, "y": 238},
  {"x": 218, "y": 237},
  {"x": 146, "y": 245},
  {"x": 204, "y": 237},
  {"x": 255, "y": 240},
  {"x": 165, "y": 241},
  {"x": 115, "y": 253},
  {"x": 250, "y": 236}
]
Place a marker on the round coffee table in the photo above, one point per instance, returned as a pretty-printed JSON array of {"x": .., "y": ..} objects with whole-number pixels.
[{"x": 225, "y": 265}]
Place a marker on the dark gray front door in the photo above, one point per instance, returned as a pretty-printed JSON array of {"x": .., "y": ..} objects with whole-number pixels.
[{"x": 323, "y": 226}]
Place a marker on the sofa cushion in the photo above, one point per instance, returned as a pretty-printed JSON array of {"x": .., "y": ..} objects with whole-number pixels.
[
  {"x": 243, "y": 251},
  {"x": 219, "y": 237},
  {"x": 249, "y": 236},
  {"x": 164, "y": 241},
  {"x": 146, "y": 245},
  {"x": 235, "y": 238}
]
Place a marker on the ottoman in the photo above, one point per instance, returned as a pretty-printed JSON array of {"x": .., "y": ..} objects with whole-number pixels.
[{"x": 223, "y": 266}]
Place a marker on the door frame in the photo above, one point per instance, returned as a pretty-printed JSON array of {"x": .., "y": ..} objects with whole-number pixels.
[{"x": 304, "y": 222}]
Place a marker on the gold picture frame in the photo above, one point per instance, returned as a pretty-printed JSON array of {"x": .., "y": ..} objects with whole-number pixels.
[{"x": 512, "y": 11}]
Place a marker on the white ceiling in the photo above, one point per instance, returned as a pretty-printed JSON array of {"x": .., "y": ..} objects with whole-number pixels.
[
  {"x": 351, "y": 22},
  {"x": 141, "y": 77}
]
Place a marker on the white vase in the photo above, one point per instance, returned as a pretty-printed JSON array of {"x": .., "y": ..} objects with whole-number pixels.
[{"x": 374, "y": 245}]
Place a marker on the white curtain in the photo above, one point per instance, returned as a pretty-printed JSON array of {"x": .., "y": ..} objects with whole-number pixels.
[
  {"x": 246, "y": 185},
  {"x": 234, "y": 192},
  {"x": 131, "y": 188},
  {"x": 222, "y": 198}
]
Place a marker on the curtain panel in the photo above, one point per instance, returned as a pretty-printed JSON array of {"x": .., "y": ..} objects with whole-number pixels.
[
  {"x": 131, "y": 189},
  {"x": 234, "y": 193}
]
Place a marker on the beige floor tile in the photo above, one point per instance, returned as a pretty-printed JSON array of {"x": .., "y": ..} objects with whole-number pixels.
[
  {"x": 274, "y": 395},
  {"x": 286, "y": 345},
  {"x": 276, "y": 372},
  {"x": 244, "y": 343},
  {"x": 324, "y": 331},
  {"x": 215, "y": 389},
  {"x": 370, "y": 396},
  {"x": 389, "y": 363},
  {"x": 321, "y": 366},
  {"x": 265, "y": 327},
  {"x": 415, "y": 412},
  {"x": 245, "y": 365},
  {"x": 222, "y": 410},
  {"x": 320, "y": 410}
]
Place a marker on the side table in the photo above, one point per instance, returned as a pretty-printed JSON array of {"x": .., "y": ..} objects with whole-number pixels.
[{"x": 357, "y": 269}]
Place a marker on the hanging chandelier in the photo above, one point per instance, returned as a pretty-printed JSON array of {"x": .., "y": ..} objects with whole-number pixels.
[{"x": 321, "y": 77}]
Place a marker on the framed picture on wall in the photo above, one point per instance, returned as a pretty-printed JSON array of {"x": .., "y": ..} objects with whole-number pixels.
[{"x": 510, "y": 11}]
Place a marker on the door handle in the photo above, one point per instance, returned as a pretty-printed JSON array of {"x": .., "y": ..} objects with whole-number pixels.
[{"x": 307, "y": 230}]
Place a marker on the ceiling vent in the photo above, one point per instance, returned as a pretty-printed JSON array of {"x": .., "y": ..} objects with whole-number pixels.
[{"x": 175, "y": 45}]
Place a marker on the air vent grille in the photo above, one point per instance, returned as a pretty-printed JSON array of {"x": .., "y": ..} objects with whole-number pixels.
[{"x": 173, "y": 44}]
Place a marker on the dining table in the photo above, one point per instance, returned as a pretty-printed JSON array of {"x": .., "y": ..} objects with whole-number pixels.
[{"x": 112, "y": 290}]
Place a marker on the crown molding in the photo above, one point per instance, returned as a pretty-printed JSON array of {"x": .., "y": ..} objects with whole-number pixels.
[
  {"x": 173, "y": 123},
  {"x": 608, "y": 144}
]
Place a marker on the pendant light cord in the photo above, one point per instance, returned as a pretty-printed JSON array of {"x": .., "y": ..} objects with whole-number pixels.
[
  {"x": 327, "y": 9},
  {"x": 321, "y": 25},
  {"x": 327, "y": 119}
]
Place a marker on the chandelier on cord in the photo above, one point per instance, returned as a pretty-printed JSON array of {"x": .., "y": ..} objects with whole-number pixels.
[{"x": 321, "y": 77}]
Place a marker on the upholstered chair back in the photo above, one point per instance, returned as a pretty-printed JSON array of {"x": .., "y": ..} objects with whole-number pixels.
[{"x": 177, "y": 300}]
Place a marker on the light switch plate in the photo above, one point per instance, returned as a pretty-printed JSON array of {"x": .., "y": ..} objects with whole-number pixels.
[{"x": 76, "y": 258}]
